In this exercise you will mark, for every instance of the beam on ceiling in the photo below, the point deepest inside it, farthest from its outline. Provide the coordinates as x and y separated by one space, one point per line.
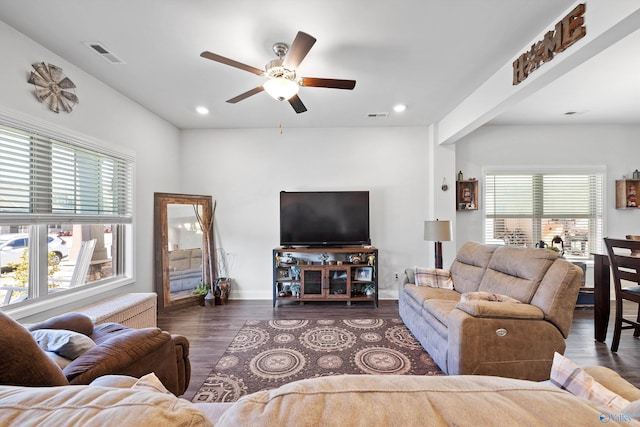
607 22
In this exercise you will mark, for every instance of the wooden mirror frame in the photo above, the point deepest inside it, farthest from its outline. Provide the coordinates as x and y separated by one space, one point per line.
161 249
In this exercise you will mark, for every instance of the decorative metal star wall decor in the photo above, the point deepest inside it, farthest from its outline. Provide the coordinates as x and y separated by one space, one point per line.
53 87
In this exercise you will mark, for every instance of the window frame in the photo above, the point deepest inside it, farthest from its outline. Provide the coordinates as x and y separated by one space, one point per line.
39 298
596 244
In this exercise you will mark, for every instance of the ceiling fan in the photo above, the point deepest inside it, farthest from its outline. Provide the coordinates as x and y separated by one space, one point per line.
282 82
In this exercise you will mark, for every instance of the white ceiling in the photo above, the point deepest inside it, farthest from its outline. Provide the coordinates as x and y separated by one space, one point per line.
427 54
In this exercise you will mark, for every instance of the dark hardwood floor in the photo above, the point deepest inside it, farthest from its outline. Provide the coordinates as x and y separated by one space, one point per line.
211 329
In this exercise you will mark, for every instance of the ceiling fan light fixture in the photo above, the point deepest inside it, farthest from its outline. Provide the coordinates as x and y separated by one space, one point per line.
281 82
280 88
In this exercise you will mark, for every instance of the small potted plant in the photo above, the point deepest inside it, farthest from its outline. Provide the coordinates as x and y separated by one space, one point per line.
201 290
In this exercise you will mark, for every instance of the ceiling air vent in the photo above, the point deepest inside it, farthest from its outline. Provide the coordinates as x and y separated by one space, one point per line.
101 50
373 115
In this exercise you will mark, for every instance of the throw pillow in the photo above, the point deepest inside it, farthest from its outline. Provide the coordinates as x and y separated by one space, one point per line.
62 362
569 376
67 344
150 382
433 277
488 296
117 381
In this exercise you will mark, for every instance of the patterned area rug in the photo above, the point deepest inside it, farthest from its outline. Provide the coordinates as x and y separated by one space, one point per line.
266 354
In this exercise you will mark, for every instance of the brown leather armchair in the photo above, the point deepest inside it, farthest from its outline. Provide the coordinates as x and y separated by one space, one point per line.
119 350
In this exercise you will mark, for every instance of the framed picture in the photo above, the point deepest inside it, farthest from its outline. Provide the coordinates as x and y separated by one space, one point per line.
364 274
283 274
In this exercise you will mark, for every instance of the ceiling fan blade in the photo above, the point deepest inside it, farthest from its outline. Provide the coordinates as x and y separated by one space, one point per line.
330 83
231 62
297 104
299 48
245 95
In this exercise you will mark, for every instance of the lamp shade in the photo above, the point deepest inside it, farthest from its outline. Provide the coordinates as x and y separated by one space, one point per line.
281 88
437 231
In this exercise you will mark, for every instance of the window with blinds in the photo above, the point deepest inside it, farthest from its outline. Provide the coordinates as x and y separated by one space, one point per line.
545 209
65 209
43 179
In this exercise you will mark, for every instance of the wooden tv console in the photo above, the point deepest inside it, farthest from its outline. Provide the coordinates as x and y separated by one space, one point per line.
325 274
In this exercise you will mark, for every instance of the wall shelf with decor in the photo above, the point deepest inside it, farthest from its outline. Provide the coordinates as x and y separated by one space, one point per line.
467 195
627 194
346 274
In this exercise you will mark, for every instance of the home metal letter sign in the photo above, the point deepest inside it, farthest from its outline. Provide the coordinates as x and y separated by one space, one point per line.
568 31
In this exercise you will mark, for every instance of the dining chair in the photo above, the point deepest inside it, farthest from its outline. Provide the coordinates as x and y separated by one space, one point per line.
625 264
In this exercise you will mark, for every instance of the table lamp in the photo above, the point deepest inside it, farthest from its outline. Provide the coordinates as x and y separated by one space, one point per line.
437 231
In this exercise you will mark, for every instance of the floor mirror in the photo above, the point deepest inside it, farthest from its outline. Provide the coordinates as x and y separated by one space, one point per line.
183 244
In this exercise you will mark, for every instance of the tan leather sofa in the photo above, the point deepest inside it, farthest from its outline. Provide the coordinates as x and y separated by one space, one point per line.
490 337
116 350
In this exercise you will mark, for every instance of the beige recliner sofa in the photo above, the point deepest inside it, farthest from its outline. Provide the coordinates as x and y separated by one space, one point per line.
483 337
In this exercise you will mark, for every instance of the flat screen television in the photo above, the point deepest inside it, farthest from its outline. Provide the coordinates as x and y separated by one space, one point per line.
324 218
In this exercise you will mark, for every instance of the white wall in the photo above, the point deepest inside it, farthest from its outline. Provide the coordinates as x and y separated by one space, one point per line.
244 171
108 117
612 146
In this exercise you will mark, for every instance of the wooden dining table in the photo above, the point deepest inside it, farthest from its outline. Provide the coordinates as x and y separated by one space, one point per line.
601 295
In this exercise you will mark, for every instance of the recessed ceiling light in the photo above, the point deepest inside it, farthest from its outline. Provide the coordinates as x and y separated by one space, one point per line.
399 108
202 110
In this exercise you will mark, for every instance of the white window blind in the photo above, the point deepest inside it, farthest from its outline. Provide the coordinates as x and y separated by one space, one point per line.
523 209
42 179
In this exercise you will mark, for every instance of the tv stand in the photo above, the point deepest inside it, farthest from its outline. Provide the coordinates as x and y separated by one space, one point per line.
325 247
325 274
